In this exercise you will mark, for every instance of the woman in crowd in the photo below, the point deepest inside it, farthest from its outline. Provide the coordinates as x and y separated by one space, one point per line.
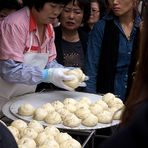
70 40
98 10
133 129
112 48
27 49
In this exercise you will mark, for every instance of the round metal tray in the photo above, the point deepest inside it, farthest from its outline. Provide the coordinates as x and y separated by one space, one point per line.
38 99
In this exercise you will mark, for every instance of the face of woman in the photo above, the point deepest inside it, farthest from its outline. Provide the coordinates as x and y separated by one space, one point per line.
71 16
122 7
95 13
49 13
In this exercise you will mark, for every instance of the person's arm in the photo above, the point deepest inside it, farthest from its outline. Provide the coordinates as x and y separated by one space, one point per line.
92 56
17 72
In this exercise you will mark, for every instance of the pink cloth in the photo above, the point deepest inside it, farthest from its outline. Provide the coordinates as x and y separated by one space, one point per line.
15 38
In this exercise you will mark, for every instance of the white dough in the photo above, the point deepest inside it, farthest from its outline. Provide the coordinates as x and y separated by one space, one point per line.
96 108
102 103
38 127
117 115
105 117
57 104
52 130
71 120
82 104
26 110
63 112
85 100
27 142
70 107
61 137
69 101
48 107
50 144
71 143
90 121
79 77
53 118
39 114
42 137
82 112
116 102
29 133
14 131
107 97
19 124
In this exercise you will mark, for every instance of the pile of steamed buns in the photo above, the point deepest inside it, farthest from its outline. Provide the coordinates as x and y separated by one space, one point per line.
76 112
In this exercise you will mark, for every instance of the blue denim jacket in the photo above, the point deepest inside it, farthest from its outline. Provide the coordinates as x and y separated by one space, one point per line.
93 55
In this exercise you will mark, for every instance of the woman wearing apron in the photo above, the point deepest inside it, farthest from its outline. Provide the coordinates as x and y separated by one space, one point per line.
27 49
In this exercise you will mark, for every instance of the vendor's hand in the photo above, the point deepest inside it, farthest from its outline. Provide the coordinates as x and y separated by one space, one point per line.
57 76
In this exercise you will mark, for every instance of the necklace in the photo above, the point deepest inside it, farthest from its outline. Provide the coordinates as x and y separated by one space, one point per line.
127 29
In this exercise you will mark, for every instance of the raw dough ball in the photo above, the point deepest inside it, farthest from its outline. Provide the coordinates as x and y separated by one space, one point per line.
90 121
73 83
52 130
39 114
27 142
50 144
71 120
14 131
61 137
82 112
85 100
96 108
70 107
38 127
80 105
117 115
19 124
48 107
107 97
79 77
116 102
26 110
71 143
29 133
42 137
105 117
57 105
102 103
63 112
78 73
69 101
53 118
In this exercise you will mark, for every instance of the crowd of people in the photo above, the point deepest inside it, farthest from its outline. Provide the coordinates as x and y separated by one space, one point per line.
40 40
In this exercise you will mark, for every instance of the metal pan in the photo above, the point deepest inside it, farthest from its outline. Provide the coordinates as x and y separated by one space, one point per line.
38 99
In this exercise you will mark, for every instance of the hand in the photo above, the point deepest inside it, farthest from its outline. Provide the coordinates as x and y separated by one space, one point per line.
57 76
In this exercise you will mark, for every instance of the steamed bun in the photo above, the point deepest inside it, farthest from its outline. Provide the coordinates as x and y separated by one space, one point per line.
26 110
19 124
40 113
79 77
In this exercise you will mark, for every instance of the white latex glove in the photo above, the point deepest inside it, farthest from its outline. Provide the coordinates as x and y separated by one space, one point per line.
83 84
57 76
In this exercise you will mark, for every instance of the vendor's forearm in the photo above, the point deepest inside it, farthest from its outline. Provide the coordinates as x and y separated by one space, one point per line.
17 72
